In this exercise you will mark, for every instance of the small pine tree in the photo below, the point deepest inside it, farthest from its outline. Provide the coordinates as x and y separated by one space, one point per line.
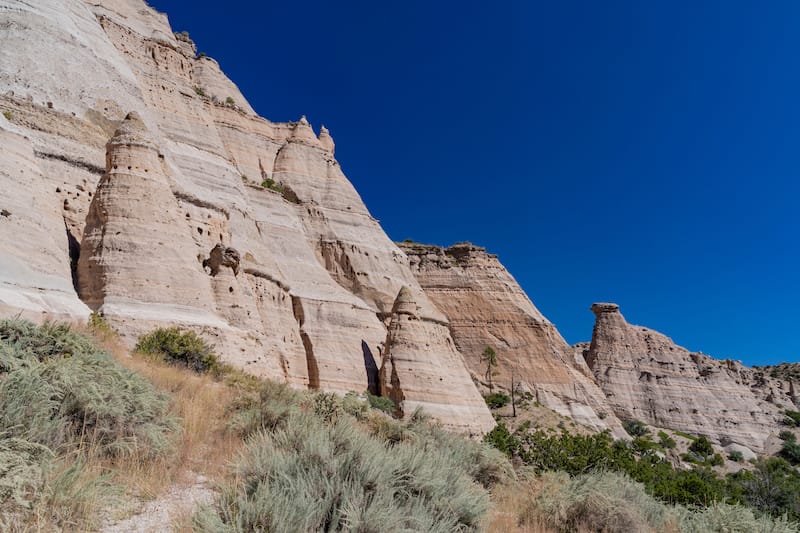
489 356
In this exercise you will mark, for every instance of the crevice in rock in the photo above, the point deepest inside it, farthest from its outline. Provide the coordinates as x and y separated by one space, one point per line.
311 360
74 247
372 369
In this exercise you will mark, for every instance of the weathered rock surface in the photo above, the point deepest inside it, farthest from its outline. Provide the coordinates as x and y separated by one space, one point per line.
164 214
422 369
647 377
485 306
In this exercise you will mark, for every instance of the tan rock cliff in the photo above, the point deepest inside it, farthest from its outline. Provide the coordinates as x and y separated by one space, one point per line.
485 306
152 209
647 377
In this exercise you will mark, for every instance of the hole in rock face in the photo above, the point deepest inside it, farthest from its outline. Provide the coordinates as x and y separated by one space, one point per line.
230 289
200 231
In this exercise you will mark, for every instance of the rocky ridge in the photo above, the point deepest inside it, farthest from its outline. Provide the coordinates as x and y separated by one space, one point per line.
647 377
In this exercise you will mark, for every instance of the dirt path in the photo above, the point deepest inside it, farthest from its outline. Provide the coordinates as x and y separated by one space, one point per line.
158 515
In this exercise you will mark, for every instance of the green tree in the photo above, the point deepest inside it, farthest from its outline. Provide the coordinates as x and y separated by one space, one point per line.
489 356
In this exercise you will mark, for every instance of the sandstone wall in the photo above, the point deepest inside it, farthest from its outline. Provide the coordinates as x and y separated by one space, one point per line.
647 377
141 205
485 306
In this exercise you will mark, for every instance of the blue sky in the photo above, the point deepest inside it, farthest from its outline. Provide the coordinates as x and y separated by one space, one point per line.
645 153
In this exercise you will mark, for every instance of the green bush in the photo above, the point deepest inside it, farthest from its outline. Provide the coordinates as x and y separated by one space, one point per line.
8 114
229 100
497 400
60 391
787 436
702 448
665 440
310 466
791 452
792 418
381 403
736 456
272 185
635 428
177 346
199 91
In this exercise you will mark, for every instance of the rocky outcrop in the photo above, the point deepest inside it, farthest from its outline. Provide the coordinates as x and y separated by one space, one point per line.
647 377
422 369
485 306
163 216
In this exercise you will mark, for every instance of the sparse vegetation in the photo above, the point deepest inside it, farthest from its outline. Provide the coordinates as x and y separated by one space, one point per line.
489 356
382 403
310 465
199 91
201 55
229 101
8 114
736 456
635 428
182 347
65 408
792 418
272 185
666 441
497 400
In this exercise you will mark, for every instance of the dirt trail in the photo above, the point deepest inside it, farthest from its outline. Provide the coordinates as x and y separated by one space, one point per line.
159 515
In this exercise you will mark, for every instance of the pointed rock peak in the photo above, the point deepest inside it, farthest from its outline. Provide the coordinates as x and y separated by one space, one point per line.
132 130
325 140
405 303
303 133
602 308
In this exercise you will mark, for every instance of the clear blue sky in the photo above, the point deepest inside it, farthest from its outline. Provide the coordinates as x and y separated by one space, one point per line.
645 153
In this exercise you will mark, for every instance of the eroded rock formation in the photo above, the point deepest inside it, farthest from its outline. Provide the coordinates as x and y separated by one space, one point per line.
127 155
648 377
485 306
422 369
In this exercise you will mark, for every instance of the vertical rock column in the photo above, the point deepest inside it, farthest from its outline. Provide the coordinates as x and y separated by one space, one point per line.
137 255
421 368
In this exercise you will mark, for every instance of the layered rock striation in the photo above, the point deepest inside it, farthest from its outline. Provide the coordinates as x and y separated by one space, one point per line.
646 376
146 188
422 369
485 306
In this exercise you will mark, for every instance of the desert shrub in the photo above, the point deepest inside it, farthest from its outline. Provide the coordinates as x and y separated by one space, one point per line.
736 456
355 406
787 436
792 418
89 402
309 475
22 477
272 185
791 452
229 100
8 114
497 400
665 440
772 487
199 91
602 501
182 347
42 342
635 428
268 408
381 403
725 518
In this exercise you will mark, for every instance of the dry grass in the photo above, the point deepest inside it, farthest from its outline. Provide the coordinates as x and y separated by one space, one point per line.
204 445
508 501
